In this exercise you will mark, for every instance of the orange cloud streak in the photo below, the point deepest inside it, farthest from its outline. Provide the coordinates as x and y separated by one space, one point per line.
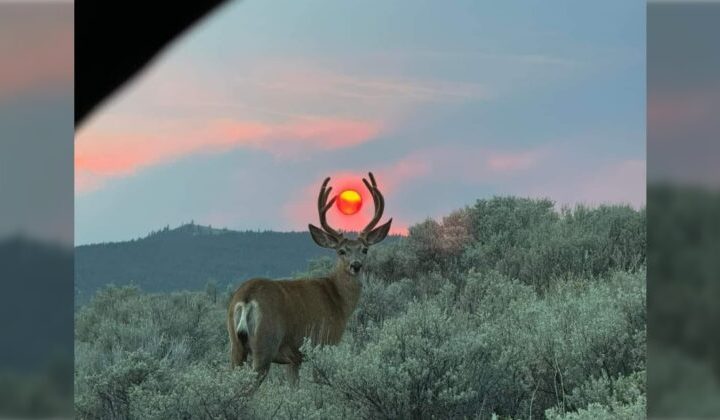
99 155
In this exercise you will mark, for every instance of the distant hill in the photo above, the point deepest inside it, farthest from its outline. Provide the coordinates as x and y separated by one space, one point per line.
35 334
189 256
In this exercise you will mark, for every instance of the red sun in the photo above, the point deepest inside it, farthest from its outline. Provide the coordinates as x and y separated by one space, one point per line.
349 202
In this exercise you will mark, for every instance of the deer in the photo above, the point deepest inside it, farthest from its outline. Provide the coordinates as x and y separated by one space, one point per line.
270 319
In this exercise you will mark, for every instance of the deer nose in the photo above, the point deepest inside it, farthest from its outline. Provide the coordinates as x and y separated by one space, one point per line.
356 265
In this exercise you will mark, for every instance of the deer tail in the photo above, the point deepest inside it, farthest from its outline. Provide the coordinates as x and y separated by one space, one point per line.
242 321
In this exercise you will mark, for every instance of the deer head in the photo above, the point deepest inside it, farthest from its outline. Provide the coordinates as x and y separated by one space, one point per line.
351 252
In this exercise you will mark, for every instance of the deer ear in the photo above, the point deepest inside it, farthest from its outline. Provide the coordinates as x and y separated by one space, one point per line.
378 234
322 238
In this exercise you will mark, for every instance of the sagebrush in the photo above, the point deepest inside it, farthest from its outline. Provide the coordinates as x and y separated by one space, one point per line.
506 308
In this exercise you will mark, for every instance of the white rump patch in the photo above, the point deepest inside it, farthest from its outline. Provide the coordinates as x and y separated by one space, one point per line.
247 316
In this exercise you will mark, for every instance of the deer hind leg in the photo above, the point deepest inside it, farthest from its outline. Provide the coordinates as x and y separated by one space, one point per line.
238 350
263 344
263 352
293 373
261 366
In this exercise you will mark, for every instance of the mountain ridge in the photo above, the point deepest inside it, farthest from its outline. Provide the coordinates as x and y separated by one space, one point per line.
189 257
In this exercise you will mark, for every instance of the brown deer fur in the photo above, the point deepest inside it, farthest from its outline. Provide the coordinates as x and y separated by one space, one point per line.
269 319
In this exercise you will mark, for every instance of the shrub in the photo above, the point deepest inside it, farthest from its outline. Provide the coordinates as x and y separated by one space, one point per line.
200 390
424 364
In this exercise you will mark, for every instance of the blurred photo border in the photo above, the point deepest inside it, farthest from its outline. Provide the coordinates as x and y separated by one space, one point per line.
37 117
683 91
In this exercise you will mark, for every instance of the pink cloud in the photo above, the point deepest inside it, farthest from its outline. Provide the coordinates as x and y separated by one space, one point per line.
113 145
100 155
671 109
402 171
302 207
398 228
513 161
469 163
37 47
622 182
476 164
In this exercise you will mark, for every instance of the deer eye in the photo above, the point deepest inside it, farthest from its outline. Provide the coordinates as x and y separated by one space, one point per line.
364 250
341 252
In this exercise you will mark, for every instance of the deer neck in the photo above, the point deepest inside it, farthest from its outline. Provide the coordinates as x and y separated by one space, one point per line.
349 288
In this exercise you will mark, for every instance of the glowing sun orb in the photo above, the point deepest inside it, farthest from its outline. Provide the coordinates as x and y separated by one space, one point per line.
349 202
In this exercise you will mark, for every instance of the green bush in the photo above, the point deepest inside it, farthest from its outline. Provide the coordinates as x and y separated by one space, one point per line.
201 390
423 364
595 411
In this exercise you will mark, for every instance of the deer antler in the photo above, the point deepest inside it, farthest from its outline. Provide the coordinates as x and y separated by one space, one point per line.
378 201
324 206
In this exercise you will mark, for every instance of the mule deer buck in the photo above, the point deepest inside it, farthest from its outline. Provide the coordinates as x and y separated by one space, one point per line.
269 319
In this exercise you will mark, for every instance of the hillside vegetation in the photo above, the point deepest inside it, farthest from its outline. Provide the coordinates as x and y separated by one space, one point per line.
505 308
188 257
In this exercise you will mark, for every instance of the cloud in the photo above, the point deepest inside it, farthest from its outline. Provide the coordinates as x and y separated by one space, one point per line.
307 79
465 162
299 87
620 182
37 47
432 165
513 161
292 88
302 206
402 171
361 106
100 155
289 110
505 58
669 110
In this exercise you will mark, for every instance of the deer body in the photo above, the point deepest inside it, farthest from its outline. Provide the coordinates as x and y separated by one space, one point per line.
269 319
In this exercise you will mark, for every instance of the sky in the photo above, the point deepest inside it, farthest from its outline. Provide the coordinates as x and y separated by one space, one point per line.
683 99
36 121
237 123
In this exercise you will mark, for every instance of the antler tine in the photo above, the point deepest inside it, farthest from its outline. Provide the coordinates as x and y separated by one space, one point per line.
324 206
372 179
378 201
374 195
